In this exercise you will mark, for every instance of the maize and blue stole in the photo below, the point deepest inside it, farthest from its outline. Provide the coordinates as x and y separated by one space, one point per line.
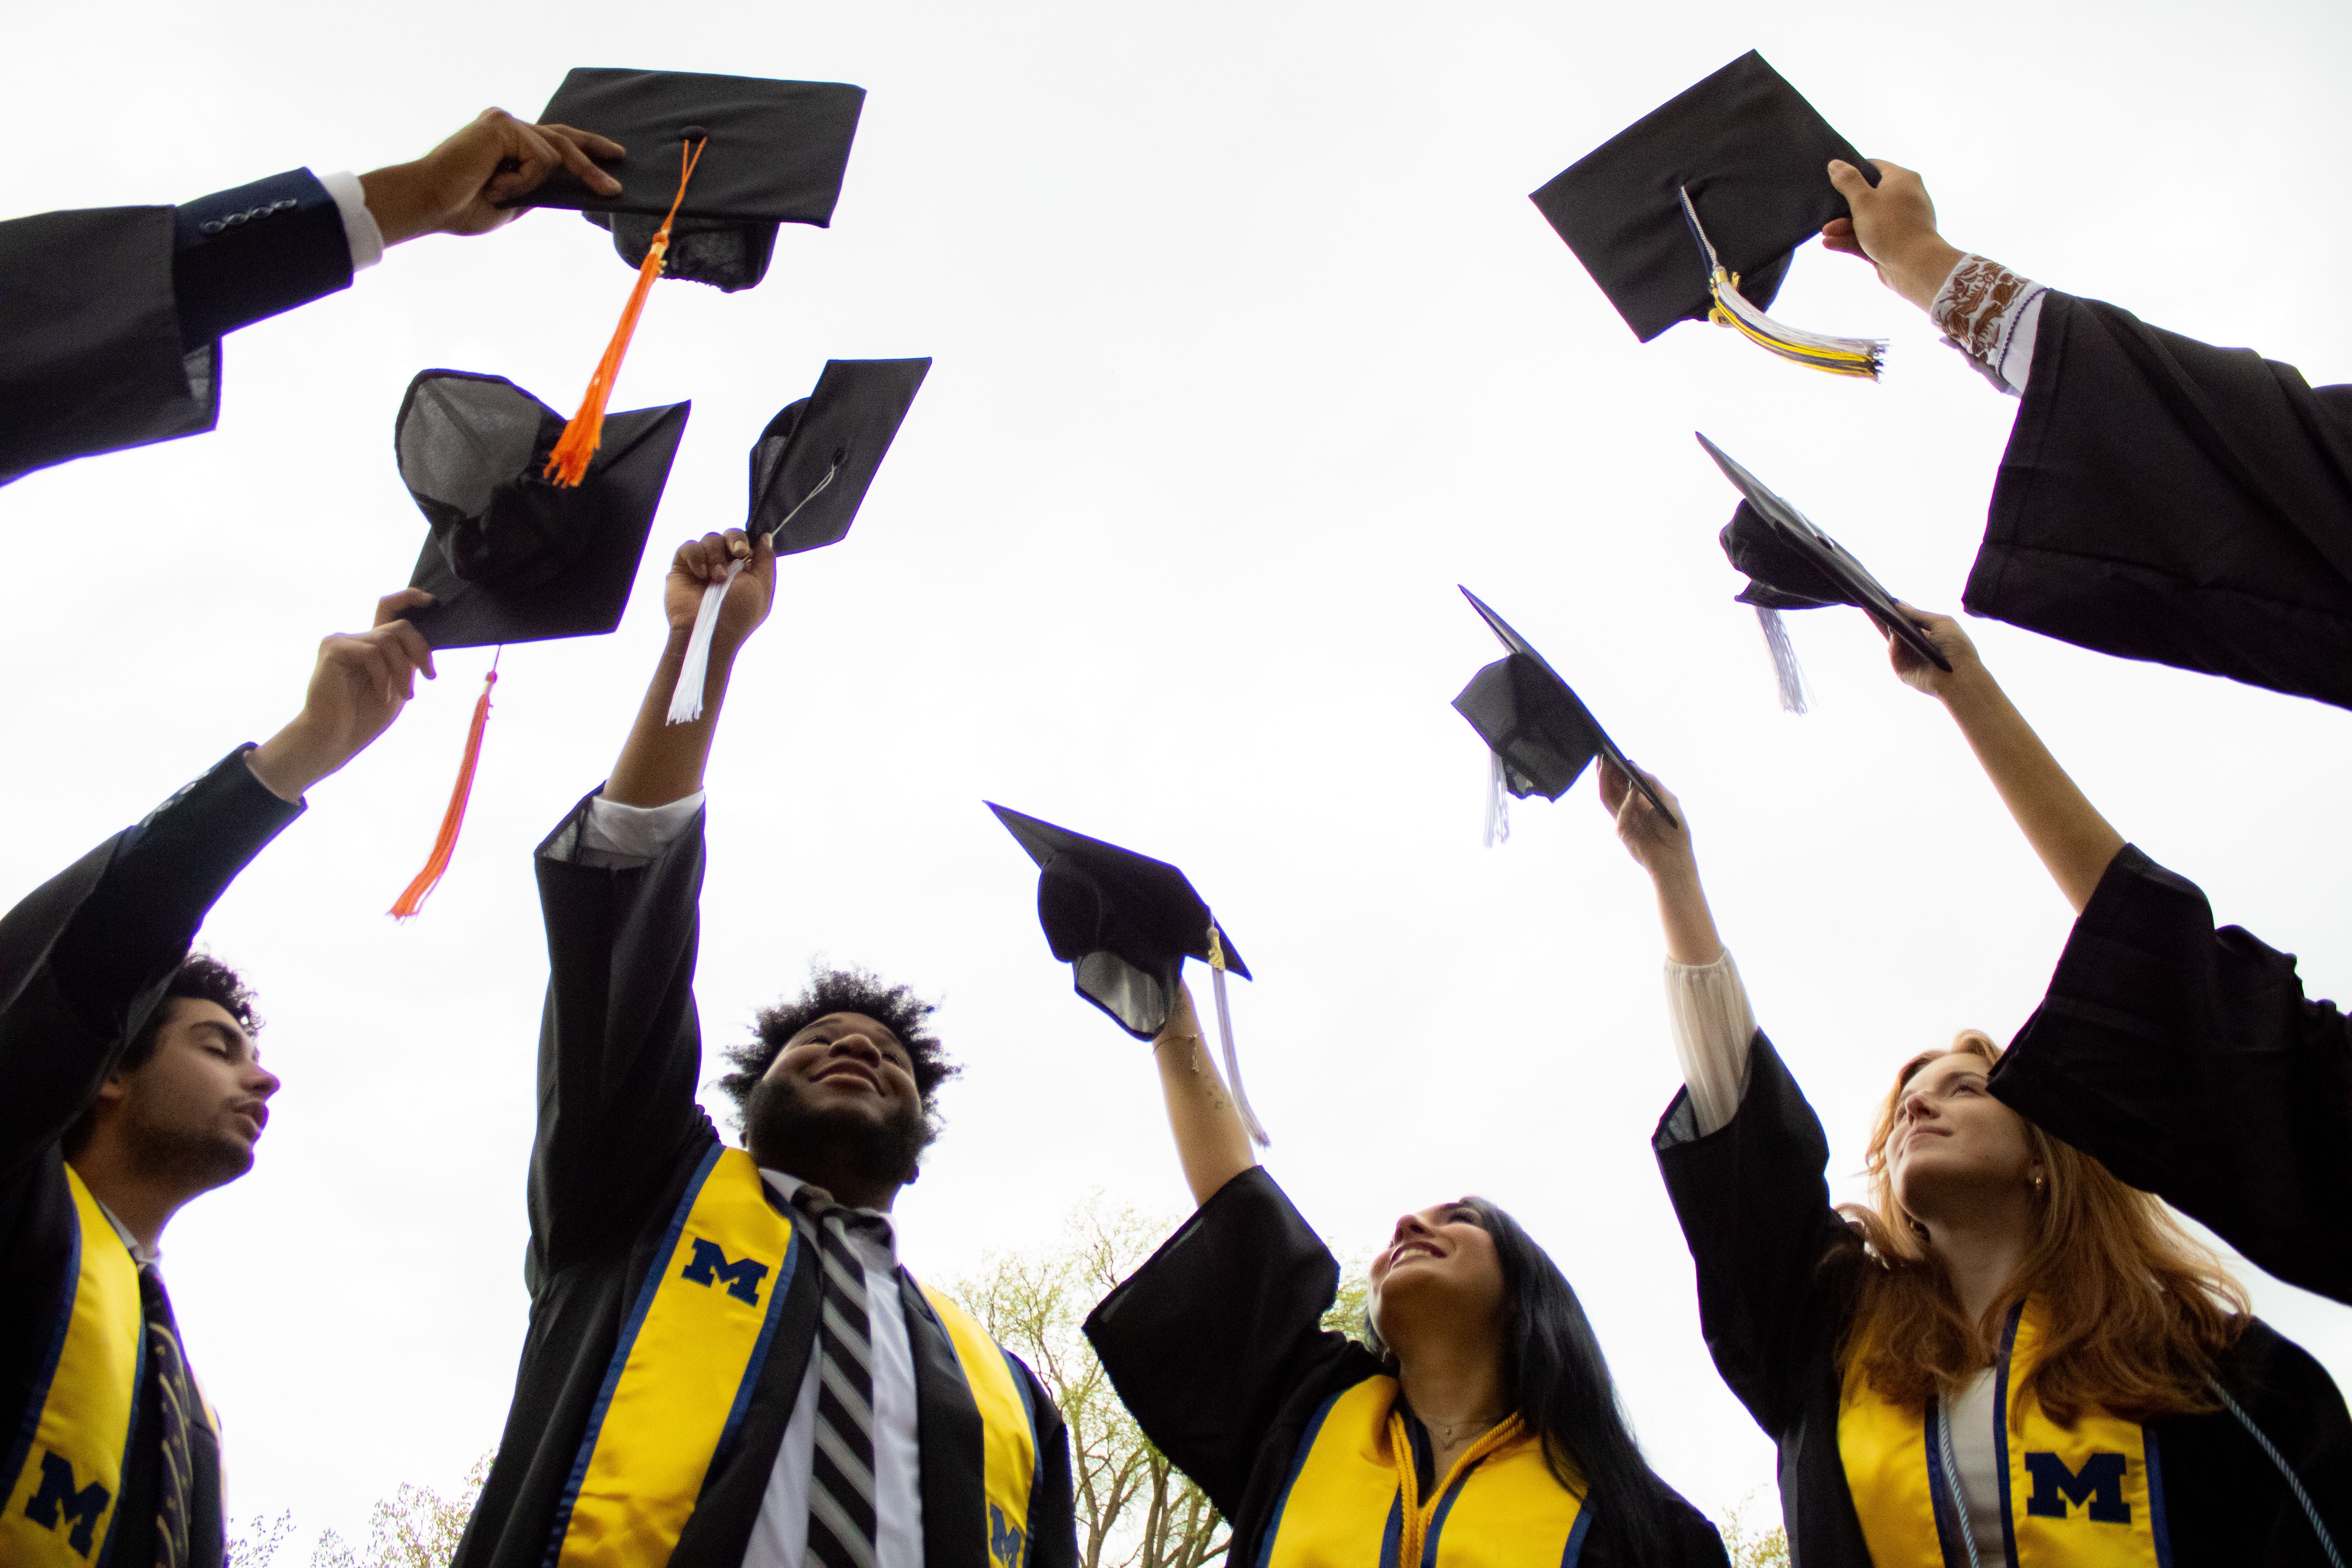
2091 1495
1343 1505
688 1356
66 1465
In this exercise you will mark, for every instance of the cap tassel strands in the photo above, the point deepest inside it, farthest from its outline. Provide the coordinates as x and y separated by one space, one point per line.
1865 357
445 843
1225 1039
694 672
1786 671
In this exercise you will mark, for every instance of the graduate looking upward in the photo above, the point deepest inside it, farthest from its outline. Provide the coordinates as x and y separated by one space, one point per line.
2186 1058
1480 1425
111 318
726 1363
2006 1355
130 1086
2160 499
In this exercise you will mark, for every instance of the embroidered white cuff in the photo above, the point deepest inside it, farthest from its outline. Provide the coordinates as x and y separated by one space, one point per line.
1991 315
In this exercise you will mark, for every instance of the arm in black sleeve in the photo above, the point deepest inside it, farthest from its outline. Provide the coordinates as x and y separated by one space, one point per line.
2189 1061
620 1044
242 256
84 957
1775 1262
1206 1341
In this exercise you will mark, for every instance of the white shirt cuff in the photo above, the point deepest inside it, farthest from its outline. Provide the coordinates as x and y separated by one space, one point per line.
1712 1023
618 836
360 230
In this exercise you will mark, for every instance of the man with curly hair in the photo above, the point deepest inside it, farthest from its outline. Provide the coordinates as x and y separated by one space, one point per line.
726 1363
128 1086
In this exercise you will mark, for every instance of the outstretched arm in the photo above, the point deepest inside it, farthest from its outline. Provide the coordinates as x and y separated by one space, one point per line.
664 761
1210 1139
1664 852
2075 843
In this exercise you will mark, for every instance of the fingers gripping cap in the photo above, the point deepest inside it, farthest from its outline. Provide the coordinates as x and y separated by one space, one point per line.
512 556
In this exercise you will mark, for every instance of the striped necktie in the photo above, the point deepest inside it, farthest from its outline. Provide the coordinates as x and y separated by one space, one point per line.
178 1406
841 1470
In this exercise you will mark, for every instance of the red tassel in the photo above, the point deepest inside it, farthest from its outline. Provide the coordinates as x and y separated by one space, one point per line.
413 900
568 463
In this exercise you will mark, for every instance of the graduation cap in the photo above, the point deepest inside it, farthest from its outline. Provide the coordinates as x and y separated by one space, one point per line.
512 556
714 163
1791 565
777 153
1541 735
1694 211
810 472
1126 923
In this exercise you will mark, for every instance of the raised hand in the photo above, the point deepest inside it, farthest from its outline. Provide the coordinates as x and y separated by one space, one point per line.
358 686
1950 641
1893 228
702 562
457 187
1655 847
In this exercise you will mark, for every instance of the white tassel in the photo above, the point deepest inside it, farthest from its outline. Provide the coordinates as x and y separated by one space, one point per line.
1785 668
1226 1037
686 698
1498 804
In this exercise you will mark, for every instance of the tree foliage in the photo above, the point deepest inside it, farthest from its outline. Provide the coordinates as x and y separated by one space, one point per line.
417 1527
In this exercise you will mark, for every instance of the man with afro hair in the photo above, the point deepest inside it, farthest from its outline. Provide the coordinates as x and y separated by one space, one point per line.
128 1086
726 1365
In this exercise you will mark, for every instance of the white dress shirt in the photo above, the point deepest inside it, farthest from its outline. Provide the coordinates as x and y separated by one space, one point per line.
360 230
616 835
1713 1025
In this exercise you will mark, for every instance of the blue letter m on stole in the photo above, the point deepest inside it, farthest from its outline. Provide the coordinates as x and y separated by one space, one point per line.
708 1266
2100 1484
57 1499
1005 1538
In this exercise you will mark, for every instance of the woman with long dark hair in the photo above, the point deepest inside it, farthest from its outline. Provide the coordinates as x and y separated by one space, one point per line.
2007 1356
1475 1425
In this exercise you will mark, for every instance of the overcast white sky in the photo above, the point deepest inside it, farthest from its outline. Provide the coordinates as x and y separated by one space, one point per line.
1249 348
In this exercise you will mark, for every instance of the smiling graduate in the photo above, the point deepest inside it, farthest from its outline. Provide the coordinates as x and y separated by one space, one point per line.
726 1363
1474 1422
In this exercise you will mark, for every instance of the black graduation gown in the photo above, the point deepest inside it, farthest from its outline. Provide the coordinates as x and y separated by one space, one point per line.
2164 499
1779 1275
110 317
83 960
2189 1062
620 1135
1216 1347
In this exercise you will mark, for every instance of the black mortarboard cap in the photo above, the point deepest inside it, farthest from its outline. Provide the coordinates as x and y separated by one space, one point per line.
1791 565
1754 156
513 557
1124 921
775 155
812 465
1535 723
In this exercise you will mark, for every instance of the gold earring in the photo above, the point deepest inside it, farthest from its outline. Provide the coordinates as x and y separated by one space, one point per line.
2037 1185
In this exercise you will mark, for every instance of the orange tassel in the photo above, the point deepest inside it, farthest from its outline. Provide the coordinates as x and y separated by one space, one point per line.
413 900
568 463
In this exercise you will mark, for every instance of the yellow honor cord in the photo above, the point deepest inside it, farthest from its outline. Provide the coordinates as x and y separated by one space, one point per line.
1415 1514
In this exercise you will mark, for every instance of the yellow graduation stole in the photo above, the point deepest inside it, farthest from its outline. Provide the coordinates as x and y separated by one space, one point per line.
2087 1496
61 1505
1344 1506
690 1355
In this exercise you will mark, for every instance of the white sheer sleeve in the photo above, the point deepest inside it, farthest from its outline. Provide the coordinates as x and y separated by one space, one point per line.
1708 1008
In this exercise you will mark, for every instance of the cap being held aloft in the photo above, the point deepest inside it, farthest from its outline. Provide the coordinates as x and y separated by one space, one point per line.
1694 211
512 556
713 165
1791 565
1126 923
1540 734
810 470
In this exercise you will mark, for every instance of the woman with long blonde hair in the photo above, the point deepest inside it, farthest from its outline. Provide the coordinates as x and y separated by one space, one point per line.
2005 1357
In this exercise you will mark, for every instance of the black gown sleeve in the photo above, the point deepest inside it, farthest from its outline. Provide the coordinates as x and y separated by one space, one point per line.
110 317
1209 1338
1776 1265
85 956
620 1046
2161 499
2189 1061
